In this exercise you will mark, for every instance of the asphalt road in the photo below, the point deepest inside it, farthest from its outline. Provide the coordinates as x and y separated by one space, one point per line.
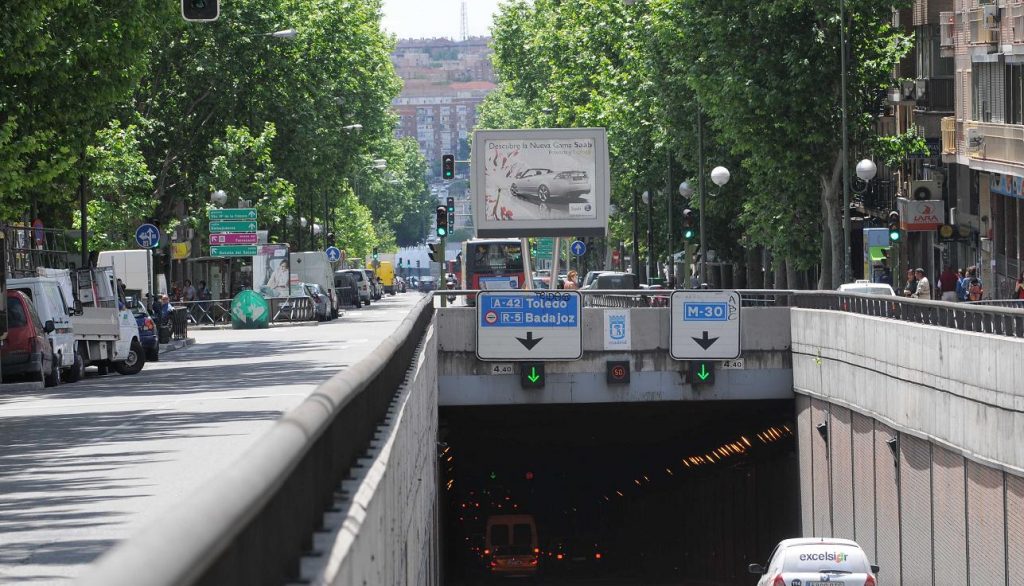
84 465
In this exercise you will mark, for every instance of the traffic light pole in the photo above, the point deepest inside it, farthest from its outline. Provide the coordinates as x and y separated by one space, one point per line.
442 273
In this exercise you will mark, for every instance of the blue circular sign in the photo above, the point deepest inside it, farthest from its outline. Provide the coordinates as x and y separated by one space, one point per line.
578 248
333 254
147 236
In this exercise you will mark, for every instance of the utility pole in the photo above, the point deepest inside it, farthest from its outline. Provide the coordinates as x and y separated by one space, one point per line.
702 186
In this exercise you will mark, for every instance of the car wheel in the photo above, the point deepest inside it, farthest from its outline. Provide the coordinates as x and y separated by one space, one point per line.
153 354
76 371
367 302
543 193
134 362
52 378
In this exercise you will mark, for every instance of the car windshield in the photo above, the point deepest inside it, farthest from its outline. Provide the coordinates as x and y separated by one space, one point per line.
16 317
869 290
823 557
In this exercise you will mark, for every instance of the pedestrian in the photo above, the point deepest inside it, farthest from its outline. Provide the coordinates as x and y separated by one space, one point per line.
924 288
911 287
948 282
570 281
1018 289
164 309
974 290
963 291
189 294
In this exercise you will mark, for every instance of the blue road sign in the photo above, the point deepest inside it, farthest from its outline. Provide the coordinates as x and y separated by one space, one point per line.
147 236
529 325
578 248
333 254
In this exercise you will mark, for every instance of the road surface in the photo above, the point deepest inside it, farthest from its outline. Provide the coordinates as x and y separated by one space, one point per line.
84 465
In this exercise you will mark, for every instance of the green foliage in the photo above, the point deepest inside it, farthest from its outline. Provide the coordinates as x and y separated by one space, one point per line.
894 149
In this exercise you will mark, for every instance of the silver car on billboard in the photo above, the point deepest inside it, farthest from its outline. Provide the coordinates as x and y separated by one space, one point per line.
545 184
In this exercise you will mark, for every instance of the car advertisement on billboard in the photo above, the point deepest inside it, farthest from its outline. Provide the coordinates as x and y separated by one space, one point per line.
546 182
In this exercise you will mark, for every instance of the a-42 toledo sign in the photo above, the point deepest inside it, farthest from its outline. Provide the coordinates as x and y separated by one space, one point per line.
529 325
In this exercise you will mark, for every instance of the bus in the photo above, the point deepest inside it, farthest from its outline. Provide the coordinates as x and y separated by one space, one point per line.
492 263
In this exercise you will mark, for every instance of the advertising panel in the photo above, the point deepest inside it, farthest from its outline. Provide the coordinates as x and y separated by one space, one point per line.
270 270
920 215
546 182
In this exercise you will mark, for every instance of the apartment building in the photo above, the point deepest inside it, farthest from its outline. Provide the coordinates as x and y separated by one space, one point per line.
983 138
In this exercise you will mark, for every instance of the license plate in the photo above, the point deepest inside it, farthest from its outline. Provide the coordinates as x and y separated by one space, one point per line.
823 583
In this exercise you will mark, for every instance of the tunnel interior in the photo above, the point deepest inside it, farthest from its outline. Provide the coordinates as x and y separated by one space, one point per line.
654 493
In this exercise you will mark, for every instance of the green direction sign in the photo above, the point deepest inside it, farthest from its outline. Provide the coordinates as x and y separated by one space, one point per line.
233 214
236 250
233 226
545 246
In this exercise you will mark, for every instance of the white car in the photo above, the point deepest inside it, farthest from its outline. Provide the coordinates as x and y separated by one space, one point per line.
864 287
816 561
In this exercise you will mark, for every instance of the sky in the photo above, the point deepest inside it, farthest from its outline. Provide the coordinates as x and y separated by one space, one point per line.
437 18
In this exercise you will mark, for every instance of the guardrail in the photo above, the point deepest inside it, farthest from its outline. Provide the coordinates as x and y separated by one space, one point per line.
998 317
251 525
214 312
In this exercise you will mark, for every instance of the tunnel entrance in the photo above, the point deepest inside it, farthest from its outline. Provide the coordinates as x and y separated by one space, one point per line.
670 493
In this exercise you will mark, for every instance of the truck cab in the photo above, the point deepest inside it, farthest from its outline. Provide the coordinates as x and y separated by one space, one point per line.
105 329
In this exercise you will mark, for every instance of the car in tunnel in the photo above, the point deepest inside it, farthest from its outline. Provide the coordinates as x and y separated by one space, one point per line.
816 561
512 548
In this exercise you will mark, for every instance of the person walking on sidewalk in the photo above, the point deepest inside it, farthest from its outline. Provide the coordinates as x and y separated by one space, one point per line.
1018 289
948 282
911 287
924 288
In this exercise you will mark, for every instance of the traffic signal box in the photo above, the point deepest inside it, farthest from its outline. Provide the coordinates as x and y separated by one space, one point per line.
531 375
702 372
200 10
616 372
442 221
450 204
434 254
689 225
894 226
448 166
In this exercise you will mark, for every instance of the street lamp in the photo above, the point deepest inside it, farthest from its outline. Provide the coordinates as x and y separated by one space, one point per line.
287 34
219 197
719 176
649 202
866 170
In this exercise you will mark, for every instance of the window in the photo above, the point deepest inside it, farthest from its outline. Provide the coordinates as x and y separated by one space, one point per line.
522 534
1014 76
16 317
499 535
987 98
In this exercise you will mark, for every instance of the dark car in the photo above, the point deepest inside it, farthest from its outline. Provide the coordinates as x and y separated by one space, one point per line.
346 289
147 329
27 350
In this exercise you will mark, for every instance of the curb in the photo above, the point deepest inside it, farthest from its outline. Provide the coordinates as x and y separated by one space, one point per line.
177 345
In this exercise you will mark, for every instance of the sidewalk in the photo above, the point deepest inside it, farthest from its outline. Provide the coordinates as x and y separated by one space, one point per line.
176 345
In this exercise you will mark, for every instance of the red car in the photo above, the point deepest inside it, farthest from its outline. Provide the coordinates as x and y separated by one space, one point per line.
27 349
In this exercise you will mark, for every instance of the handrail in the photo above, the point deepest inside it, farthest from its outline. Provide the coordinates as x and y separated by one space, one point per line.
251 524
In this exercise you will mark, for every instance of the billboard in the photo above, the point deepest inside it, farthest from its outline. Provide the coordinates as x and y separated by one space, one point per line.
920 215
545 182
271 275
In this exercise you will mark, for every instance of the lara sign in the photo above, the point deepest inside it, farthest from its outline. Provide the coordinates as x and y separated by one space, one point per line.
920 216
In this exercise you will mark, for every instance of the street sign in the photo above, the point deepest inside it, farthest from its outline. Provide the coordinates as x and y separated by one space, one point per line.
333 254
233 250
705 325
545 246
702 372
233 226
234 238
147 236
616 372
233 214
531 375
529 325
578 248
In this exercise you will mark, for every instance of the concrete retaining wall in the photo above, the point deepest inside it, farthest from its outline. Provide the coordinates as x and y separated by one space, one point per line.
385 530
961 390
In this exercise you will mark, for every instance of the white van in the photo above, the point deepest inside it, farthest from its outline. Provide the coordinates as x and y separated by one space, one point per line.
52 304
134 268
313 267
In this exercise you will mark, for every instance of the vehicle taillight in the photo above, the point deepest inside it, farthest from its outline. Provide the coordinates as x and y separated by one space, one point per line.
597 556
536 550
559 556
778 581
870 581
533 562
148 324
487 552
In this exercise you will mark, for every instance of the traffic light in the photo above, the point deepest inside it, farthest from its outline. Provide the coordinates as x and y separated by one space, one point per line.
689 228
894 226
448 166
442 221
330 239
375 254
433 254
451 214
200 10
702 372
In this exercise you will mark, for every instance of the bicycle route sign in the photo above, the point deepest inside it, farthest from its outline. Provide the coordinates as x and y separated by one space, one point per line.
529 325
705 325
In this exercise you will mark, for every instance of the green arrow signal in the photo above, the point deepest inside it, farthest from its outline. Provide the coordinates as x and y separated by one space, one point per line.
703 374
533 376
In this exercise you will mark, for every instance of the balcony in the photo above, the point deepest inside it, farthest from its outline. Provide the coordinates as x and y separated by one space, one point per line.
1003 143
949 142
935 94
983 24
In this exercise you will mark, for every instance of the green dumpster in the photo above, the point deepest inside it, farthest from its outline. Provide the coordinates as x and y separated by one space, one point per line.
249 311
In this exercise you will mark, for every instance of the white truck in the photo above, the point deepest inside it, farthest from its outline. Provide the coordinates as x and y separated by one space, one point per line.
105 331
313 267
52 301
134 268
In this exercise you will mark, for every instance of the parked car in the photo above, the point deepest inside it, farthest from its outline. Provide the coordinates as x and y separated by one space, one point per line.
27 350
52 304
319 307
615 280
588 280
362 284
148 335
427 284
376 289
546 184
346 289
323 303
815 560
865 287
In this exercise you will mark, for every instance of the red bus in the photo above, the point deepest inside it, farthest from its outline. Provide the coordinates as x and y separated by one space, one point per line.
492 263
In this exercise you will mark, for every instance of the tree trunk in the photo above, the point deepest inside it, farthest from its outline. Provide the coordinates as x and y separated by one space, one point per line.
779 269
793 276
831 188
755 276
825 267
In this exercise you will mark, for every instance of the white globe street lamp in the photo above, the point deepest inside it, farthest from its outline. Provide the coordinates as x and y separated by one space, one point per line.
686 190
866 170
720 176
219 197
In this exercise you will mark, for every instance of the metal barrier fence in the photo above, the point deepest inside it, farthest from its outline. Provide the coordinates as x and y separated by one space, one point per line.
253 522
1001 318
214 312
